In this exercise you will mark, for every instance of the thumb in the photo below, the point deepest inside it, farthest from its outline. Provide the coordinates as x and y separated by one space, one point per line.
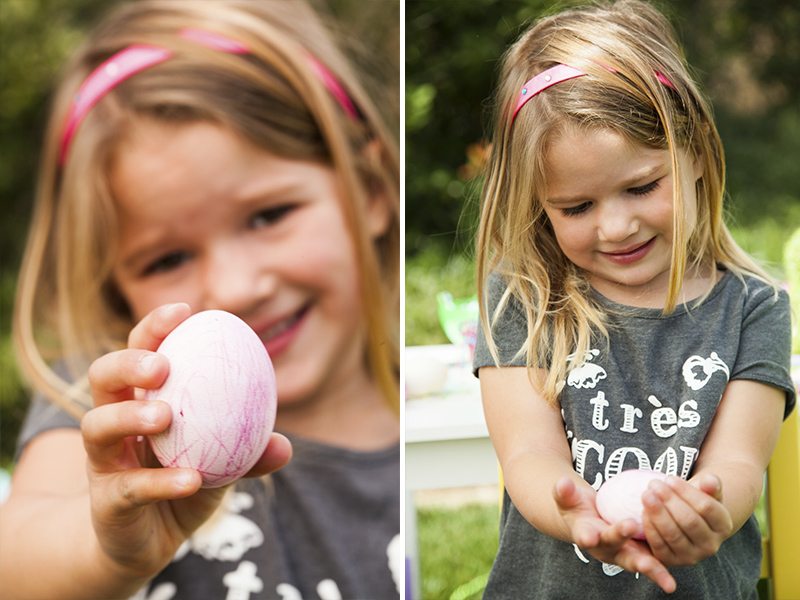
566 494
711 485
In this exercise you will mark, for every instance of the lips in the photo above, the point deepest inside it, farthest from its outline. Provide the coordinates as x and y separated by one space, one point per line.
630 254
279 334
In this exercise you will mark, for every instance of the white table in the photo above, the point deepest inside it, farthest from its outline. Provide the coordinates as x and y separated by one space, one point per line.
447 444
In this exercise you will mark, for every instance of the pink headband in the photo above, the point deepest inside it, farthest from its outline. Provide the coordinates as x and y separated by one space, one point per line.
139 57
557 74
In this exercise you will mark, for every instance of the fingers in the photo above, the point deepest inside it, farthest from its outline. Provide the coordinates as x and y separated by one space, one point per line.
108 431
645 563
683 523
568 501
277 455
566 494
113 376
134 488
616 547
710 484
609 543
151 331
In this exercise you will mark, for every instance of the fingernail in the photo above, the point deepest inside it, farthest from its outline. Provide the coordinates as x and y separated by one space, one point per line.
149 414
147 363
184 479
169 310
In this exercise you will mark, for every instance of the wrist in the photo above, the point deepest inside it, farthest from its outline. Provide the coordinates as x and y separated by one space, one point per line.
114 579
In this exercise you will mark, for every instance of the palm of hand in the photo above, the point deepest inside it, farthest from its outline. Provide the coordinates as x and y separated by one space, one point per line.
140 532
609 543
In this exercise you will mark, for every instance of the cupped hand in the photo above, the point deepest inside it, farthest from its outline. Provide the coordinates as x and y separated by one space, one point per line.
611 544
685 521
141 512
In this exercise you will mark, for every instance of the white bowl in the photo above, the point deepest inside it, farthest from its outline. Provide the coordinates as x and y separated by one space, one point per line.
425 375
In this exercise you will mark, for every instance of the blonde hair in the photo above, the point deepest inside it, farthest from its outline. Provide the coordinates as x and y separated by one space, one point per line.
624 48
67 308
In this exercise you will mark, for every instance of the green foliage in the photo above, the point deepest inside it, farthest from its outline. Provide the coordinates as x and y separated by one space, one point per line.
12 397
746 57
765 239
456 548
37 36
429 272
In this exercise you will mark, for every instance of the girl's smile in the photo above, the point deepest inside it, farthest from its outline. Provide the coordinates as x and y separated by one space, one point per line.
208 219
610 205
277 336
631 254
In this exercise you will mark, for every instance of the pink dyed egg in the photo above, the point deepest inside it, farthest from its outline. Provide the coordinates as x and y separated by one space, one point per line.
621 497
221 387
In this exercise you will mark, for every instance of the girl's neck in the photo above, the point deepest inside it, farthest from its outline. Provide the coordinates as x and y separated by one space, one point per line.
696 283
353 415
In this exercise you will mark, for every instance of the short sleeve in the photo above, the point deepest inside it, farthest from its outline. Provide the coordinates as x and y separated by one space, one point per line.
765 343
509 331
43 416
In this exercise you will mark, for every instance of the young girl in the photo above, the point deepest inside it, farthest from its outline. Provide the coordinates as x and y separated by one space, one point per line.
209 155
622 327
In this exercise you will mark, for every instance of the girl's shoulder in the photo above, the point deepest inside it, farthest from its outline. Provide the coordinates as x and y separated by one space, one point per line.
752 291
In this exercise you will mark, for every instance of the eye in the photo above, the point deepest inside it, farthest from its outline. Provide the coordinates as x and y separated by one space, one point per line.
166 263
643 190
271 215
576 210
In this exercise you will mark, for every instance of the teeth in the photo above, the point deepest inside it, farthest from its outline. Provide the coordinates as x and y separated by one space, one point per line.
279 328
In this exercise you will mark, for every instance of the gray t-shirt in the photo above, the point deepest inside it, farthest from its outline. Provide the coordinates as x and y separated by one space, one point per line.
324 527
645 402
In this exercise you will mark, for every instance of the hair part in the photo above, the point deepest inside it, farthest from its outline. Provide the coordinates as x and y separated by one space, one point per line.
622 47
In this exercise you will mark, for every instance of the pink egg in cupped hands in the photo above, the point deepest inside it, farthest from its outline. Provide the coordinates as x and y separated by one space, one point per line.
621 497
221 388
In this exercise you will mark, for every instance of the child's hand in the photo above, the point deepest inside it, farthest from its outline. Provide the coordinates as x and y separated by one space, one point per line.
608 543
684 521
142 513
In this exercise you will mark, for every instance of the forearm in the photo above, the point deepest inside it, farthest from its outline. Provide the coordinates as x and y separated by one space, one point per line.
530 478
740 443
48 549
742 485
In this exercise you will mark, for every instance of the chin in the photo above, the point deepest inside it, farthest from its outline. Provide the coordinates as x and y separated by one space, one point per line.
295 396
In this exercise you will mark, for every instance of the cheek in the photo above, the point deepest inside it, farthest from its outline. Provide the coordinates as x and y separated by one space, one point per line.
325 256
662 215
144 296
573 236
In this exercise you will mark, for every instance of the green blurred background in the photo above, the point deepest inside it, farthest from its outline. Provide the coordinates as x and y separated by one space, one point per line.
36 36
745 54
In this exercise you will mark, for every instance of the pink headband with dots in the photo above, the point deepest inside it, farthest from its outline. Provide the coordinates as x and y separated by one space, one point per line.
136 58
557 74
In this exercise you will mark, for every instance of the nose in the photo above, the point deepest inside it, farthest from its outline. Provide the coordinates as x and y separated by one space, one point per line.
236 279
617 221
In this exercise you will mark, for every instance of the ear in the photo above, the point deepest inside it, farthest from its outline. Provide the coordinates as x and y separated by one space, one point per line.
698 167
379 211
378 215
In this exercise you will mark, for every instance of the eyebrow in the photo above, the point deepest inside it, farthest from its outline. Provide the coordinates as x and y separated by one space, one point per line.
260 194
632 182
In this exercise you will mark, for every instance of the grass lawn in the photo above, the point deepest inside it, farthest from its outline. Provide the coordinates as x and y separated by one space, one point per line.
456 550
